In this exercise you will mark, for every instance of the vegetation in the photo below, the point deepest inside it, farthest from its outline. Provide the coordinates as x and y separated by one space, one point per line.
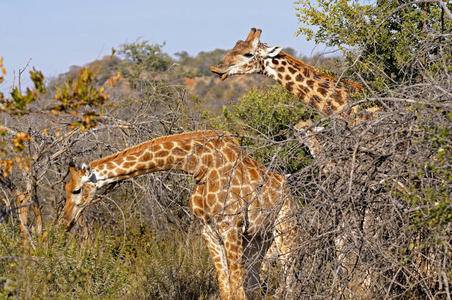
375 206
107 266
386 42
151 256
264 118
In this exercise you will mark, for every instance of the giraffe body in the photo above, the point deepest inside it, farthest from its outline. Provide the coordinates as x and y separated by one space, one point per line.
242 205
323 92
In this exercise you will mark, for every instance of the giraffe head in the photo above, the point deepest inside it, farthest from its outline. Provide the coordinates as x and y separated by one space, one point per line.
246 57
80 191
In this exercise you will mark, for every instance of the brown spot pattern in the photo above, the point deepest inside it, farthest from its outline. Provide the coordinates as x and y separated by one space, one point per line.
162 153
289 86
324 84
337 95
322 91
128 164
147 156
211 200
140 166
301 94
207 159
316 98
254 175
168 145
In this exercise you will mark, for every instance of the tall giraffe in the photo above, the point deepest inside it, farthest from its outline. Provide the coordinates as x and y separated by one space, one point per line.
242 205
321 91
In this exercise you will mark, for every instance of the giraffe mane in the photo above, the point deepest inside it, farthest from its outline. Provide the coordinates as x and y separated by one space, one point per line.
159 140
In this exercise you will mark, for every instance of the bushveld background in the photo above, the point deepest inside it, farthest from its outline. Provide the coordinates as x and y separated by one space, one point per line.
381 188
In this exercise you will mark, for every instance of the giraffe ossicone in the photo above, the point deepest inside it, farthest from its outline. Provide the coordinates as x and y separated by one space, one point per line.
243 206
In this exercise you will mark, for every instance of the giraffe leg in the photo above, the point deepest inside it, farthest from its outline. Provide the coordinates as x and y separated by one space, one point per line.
38 216
309 139
254 249
225 245
22 201
287 238
217 252
225 249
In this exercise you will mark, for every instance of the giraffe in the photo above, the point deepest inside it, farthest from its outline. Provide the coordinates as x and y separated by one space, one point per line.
323 92
319 90
242 205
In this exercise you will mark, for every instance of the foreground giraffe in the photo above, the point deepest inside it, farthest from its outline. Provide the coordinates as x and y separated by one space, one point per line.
321 91
242 205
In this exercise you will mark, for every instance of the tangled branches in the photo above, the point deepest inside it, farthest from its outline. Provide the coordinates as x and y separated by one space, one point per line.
376 215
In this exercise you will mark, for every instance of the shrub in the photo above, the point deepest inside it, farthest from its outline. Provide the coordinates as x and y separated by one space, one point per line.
264 120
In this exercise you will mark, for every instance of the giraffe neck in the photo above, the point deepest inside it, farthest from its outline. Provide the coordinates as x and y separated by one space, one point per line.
186 152
319 90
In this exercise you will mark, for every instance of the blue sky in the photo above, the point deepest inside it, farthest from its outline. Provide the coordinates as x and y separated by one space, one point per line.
58 34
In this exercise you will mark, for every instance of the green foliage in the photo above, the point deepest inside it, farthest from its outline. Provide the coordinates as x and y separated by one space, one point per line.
12 142
430 190
18 102
149 70
271 113
141 58
144 265
385 37
78 96
79 92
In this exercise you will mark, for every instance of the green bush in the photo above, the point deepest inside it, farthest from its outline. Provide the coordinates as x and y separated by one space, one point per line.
106 266
382 40
264 118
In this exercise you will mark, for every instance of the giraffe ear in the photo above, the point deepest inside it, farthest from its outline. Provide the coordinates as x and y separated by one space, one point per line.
273 51
85 168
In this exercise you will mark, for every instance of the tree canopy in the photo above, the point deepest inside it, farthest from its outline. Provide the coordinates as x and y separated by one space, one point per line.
382 39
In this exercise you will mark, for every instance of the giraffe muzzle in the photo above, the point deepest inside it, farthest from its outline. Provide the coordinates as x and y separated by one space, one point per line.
223 75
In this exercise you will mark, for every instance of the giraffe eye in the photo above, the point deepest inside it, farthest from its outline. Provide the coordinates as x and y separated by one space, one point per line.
77 191
248 55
